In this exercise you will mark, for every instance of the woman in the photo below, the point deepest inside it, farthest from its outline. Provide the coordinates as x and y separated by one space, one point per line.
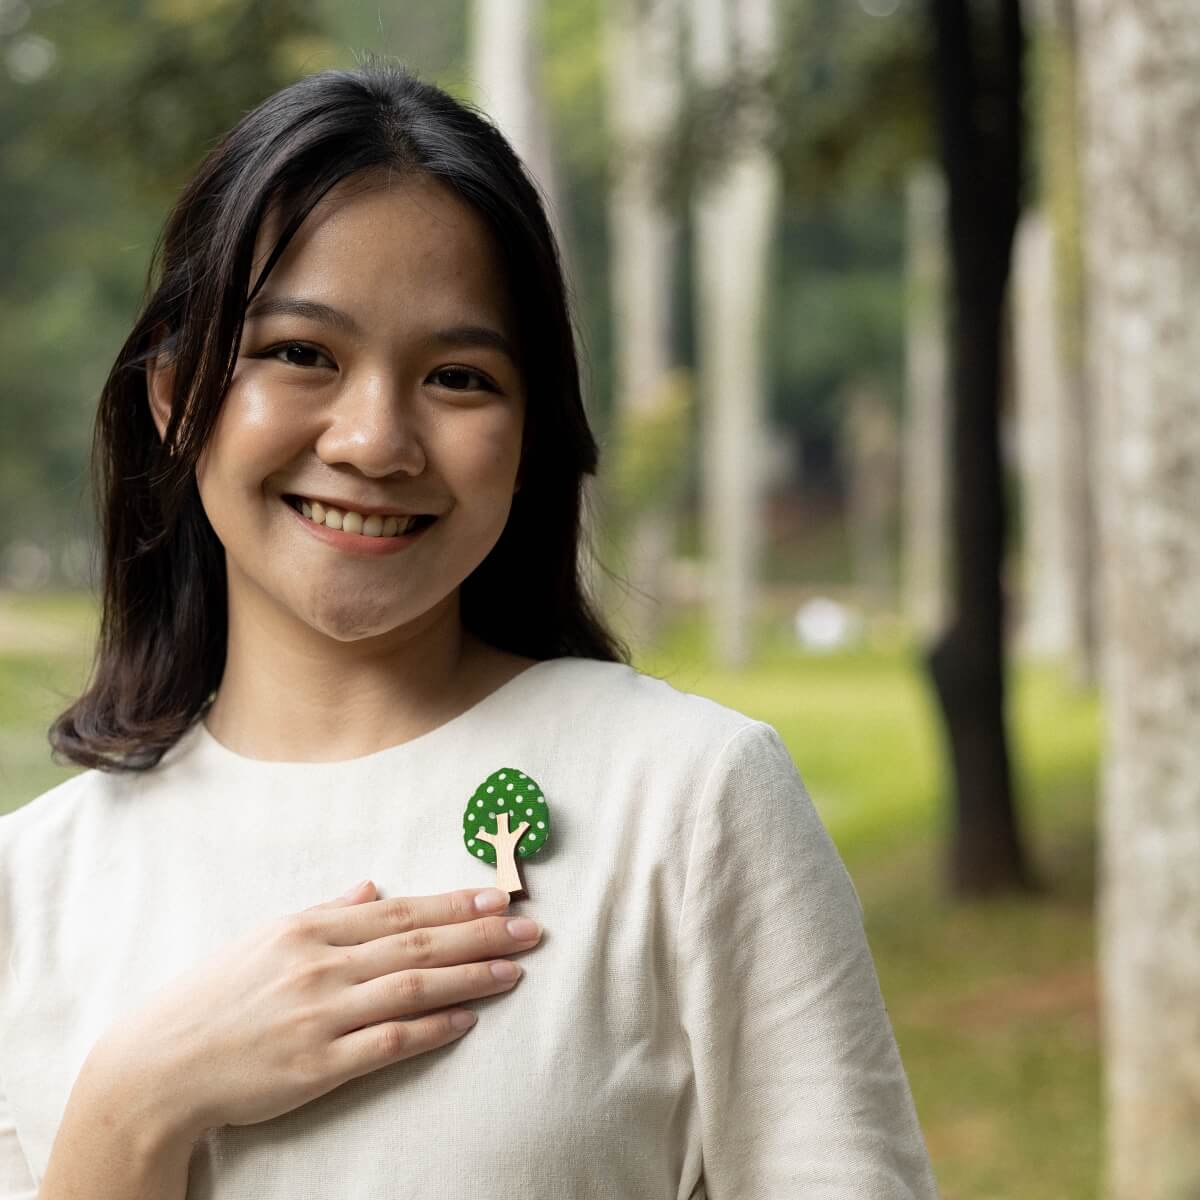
342 454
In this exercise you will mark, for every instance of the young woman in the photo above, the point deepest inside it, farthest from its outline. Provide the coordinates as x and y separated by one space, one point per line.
340 458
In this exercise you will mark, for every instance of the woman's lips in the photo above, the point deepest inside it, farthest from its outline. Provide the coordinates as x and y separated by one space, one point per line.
358 543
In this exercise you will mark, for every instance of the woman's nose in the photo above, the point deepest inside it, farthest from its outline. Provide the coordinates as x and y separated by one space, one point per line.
372 427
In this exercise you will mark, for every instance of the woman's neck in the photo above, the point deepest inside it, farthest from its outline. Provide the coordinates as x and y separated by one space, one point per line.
290 693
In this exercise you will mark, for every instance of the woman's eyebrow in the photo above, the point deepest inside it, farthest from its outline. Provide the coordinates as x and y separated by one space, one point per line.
482 336
313 310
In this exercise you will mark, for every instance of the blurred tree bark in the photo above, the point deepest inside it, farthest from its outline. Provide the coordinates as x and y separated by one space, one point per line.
734 213
643 89
1047 625
871 443
926 449
1140 94
506 69
1053 401
978 51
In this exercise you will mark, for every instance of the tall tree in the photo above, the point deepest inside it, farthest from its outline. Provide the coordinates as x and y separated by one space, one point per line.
978 51
1140 76
1053 400
506 67
925 443
643 93
735 211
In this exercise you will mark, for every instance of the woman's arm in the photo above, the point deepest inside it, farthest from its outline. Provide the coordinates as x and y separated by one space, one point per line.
117 1141
800 1087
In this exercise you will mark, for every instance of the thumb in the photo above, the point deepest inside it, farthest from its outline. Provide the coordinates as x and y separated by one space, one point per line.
360 891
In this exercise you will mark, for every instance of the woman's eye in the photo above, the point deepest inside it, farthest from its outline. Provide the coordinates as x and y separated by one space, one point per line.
295 348
460 379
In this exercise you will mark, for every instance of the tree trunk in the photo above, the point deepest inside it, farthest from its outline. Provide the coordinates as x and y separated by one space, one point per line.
506 63
1055 89
978 80
643 101
734 217
926 448
1047 626
1140 76
871 439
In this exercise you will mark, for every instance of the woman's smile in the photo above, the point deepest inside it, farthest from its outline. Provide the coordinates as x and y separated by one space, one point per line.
354 542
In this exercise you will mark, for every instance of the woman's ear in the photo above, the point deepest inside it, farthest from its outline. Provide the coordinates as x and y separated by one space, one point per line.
160 388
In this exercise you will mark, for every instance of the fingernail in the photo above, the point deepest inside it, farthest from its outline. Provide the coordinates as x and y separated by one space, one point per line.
358 887
523 929
490 899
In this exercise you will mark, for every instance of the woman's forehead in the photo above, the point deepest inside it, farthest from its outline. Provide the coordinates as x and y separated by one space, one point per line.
382 233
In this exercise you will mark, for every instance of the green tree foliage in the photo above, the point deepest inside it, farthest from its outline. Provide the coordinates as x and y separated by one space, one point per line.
104 109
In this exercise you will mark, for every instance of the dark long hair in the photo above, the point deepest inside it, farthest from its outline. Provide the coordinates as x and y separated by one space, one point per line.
161 648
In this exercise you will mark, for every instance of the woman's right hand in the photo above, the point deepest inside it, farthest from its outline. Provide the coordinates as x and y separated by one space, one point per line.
308 1001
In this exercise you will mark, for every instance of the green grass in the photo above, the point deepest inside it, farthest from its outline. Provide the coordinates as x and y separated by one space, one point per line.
993 1002
45 650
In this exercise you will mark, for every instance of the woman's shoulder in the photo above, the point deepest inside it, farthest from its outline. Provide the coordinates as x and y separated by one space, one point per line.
635 703
47 816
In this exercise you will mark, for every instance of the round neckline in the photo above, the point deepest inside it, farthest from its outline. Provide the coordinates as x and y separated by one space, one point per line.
209 742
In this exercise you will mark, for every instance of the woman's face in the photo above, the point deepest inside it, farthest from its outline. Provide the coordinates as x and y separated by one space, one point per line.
401 396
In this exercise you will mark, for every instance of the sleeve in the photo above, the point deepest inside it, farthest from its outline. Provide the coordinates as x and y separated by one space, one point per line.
800 1087
16 1179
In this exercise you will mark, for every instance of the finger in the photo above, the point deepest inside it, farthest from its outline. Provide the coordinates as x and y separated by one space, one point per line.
473 941
411 993
365 1050
346 925
359 892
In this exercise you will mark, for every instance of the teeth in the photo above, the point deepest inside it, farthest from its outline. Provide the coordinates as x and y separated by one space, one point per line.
352 522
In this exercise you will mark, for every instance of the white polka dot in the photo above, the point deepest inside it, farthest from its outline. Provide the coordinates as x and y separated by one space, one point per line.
471 842
520 774
510 786
491 789
478 803
492 815
501 801
503 776
529 812
541 824
533 837
479 852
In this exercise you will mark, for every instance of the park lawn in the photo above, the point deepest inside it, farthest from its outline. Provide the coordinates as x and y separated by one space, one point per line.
993 1003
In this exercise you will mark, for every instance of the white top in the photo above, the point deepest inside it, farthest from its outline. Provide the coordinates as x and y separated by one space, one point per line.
702 1017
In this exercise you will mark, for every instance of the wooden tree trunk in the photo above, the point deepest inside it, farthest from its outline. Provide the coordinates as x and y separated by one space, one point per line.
926 445
871 449
734 217
506 61
643 100
1047 626
1074 566
1140 75
978 98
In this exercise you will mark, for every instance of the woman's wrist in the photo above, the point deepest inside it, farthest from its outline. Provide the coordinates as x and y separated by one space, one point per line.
154 1104
118 1139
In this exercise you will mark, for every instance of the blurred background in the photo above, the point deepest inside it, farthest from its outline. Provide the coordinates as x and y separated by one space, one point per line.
886 318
